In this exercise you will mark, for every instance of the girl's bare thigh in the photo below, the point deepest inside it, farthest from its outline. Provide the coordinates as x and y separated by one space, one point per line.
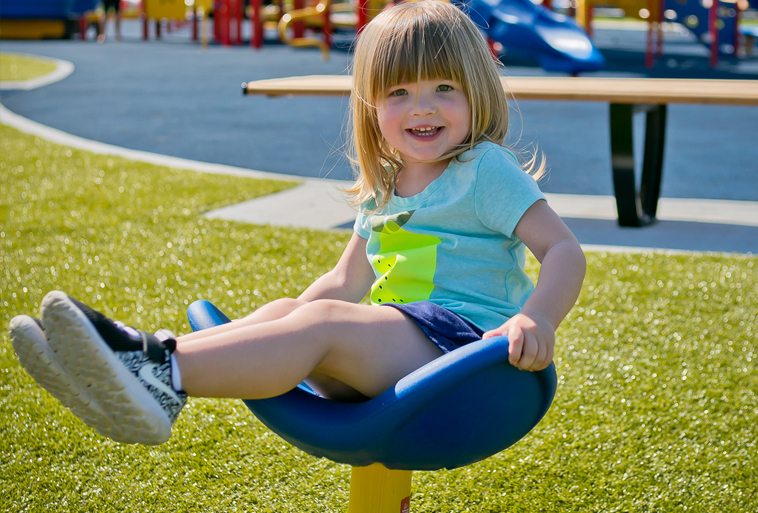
342 347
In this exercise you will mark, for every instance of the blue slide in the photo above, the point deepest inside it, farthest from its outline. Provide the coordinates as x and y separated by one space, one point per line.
558 43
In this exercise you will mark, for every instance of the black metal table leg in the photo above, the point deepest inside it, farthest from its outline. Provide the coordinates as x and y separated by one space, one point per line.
652 163
637 208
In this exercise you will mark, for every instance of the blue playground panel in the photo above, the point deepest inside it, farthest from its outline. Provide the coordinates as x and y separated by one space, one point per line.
694 16
45 9
80 7
556 41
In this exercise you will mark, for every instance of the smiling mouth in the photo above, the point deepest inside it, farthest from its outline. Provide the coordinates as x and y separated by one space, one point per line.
426 131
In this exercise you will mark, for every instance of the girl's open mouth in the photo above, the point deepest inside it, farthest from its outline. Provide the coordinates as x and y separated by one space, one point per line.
427 131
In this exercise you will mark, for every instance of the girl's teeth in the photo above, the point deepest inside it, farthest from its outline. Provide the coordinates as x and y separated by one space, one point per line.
425 131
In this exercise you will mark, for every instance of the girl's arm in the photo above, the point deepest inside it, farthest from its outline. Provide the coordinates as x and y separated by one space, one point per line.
349 280
531 332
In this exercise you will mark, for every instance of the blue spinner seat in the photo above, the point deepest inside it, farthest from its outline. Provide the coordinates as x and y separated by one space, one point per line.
459 409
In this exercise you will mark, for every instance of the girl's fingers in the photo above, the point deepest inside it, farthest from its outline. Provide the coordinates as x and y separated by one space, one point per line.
526 350
530 347
515 345
529 352
542 360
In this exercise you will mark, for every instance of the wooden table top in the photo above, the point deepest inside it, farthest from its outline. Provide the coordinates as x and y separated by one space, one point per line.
612 90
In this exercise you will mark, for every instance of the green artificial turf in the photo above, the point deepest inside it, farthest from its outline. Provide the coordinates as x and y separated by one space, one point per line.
14 67
655 410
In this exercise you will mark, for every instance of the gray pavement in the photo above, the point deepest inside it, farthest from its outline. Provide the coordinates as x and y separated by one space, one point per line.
178 101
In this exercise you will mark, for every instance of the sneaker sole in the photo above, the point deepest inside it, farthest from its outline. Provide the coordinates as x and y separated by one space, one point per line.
39 361
135 415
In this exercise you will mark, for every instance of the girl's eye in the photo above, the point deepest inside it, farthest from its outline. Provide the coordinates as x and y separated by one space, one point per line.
398 92
444 88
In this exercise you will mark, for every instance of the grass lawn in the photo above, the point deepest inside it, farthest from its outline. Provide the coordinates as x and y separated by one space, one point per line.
15 67
655 410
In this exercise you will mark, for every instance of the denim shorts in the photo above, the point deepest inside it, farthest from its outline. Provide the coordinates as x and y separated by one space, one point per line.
445 329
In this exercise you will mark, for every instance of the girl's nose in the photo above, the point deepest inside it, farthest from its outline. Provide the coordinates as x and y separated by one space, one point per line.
423 105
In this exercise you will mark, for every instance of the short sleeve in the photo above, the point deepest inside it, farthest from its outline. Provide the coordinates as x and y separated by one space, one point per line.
504 192
361 226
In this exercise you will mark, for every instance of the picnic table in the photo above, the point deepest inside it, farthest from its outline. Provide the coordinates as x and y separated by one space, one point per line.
635 205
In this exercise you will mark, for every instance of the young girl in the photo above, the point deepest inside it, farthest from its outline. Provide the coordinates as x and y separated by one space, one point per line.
438 247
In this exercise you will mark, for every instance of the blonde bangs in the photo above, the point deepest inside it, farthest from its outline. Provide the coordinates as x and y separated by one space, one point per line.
413 54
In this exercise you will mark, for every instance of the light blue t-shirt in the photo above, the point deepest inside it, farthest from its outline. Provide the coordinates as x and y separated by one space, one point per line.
453 243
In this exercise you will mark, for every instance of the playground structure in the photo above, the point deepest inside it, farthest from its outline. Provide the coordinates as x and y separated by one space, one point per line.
42 19
59 19
461 408
521 27
715 23
291 19
556 41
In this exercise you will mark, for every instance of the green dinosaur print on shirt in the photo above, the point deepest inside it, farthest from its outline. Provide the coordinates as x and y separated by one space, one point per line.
405 262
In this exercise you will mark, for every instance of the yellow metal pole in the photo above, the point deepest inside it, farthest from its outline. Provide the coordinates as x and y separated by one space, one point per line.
203 28
377 489
582 16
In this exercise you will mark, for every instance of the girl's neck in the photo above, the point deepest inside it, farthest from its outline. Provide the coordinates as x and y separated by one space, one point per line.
413 178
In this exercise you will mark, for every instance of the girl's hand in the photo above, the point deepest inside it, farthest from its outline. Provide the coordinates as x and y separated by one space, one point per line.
530 341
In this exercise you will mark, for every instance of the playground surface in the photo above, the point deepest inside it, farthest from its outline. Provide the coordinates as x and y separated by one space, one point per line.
175 99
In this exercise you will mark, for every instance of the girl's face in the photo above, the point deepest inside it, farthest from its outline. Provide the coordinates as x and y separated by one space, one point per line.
424 120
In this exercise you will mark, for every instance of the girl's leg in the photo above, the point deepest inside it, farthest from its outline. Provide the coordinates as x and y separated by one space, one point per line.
368 348
268 312
129 373
324 385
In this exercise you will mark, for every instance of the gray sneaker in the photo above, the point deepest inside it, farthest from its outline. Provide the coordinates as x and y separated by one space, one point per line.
39 360
126 372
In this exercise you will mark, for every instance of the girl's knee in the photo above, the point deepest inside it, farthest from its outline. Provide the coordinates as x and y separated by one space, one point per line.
276 309
287 304
325 310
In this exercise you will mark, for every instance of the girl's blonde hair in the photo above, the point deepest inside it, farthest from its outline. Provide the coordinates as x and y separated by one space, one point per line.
428 39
